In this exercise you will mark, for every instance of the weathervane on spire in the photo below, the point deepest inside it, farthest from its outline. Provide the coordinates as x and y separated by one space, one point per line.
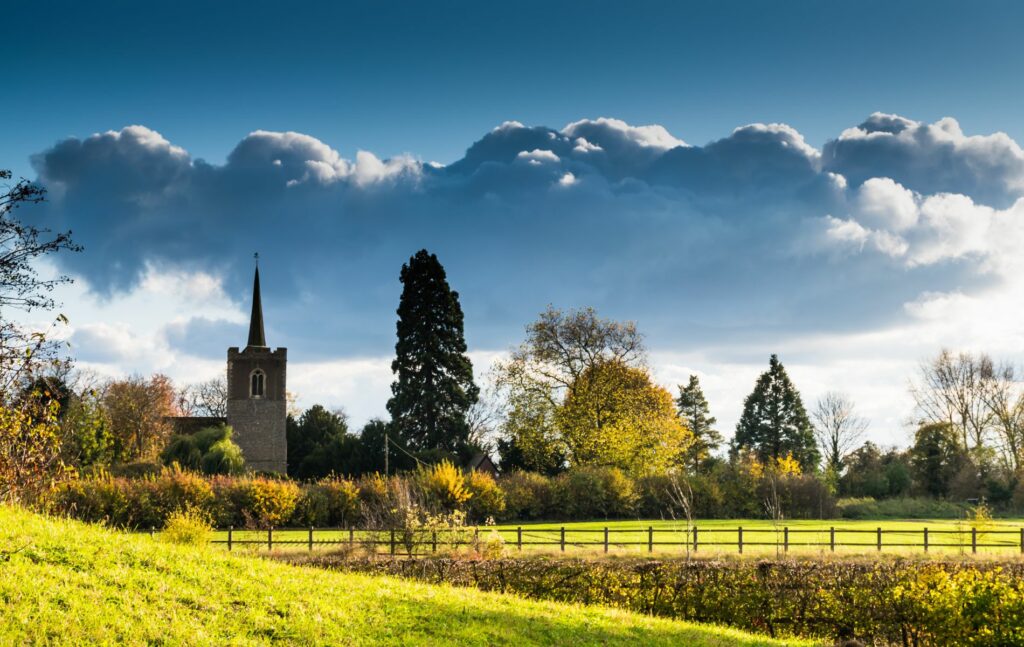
257 257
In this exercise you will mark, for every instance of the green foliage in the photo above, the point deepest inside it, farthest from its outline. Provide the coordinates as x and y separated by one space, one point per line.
224 457
73 584
487 501
434 387
596 493
209 450
85 434
880 603
613 414
774 422
696 415
189 526
316 443
936 458
901 508
342 501
262 502
528 495
531 441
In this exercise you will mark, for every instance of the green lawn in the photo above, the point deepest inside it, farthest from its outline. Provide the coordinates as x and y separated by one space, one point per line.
999 538
71 583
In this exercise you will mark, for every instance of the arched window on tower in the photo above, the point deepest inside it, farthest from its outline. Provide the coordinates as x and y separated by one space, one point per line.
257 383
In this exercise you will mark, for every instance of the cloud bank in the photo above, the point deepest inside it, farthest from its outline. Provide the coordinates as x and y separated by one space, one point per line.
749 243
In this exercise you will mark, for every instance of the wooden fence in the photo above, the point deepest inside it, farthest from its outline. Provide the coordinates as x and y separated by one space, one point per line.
782 539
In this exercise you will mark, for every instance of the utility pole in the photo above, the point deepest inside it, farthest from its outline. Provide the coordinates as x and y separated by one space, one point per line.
385 454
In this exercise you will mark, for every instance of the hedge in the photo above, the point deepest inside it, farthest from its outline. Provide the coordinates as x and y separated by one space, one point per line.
892 602
584 493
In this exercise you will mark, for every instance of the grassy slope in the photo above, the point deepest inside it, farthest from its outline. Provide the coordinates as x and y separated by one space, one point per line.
72 583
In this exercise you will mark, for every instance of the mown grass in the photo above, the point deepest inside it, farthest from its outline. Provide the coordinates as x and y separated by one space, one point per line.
998 538
65 582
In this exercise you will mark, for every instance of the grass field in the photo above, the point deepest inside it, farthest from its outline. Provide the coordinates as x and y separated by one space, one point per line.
70 583
1000 538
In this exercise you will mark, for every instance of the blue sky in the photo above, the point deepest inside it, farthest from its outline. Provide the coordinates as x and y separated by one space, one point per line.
428 78
836 182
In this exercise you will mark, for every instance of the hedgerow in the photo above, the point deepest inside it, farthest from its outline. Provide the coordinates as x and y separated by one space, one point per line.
879 603
583 493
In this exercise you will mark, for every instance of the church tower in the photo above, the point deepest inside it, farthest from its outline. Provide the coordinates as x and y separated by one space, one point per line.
257 406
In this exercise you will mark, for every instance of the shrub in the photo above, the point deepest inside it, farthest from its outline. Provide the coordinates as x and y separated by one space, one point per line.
224 457
209 450
342 501
443 486
313 507
527 495
486 501
595 492
905 508
188 526
177 490
269 502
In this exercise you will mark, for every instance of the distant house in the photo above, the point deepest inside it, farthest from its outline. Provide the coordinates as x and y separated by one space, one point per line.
481 462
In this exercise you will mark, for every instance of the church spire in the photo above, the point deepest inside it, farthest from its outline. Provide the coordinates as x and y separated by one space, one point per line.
256 336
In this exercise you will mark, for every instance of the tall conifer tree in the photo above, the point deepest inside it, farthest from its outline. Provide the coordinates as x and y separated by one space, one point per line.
774 422
696 414
434 385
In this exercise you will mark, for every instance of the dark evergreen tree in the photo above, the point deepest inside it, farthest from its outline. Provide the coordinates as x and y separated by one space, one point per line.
936 458
316 443
774 422
434 387
696 414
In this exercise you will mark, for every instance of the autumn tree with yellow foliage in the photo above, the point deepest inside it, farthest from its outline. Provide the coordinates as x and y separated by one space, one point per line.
579 393
615 415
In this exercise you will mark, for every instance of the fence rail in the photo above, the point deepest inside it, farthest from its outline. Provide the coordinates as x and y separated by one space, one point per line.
783 538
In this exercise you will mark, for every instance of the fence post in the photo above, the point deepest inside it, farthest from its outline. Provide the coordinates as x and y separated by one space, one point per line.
392 541
832 539
519 538
311 538
739 542
926 539
433 541
695 539
152 531
563 539
974 540
351 536
232 528
879 539
785 539
606 539
650 539
270 538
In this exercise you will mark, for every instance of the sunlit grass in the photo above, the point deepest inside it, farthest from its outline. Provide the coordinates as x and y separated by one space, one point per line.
66 582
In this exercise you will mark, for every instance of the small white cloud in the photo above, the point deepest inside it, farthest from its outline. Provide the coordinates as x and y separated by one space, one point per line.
508 125
567 180
537 157
653 136
583 146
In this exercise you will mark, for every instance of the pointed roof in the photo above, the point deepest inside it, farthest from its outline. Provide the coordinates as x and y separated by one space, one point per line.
257 338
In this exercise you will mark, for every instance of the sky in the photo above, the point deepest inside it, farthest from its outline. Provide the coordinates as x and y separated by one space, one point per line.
836 182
